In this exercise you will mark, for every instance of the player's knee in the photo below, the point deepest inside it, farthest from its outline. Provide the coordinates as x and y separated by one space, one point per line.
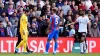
82 39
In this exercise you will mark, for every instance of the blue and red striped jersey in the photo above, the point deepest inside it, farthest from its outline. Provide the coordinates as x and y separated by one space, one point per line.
55 20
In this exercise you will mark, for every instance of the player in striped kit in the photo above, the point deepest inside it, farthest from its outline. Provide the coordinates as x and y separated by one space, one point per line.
53 29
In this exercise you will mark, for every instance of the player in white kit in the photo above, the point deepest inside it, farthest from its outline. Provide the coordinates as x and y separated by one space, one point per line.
83 21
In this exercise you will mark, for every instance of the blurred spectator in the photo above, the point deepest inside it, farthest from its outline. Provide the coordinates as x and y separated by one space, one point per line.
3 31
42 26
38 12
1 1
35 12
3 15
39 6
9 2
43 10
47 2
88 4
9 29
14 18
53 6
95 11
21 11
92 16
39 26
61 14
93 6
33 31
66 28
99 19
30 2
48 12
61 28
94 31
82 6
2 8
72 5
75 11
34 20
59 10
59 3
66 7
15 10
10 10
72 31
20 4
70 13
78 2
39 2
69 2
29 6
76 25
6 20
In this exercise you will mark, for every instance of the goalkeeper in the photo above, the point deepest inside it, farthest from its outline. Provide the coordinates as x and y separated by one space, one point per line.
23 32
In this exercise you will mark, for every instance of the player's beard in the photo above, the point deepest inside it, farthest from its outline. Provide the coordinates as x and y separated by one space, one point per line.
82 14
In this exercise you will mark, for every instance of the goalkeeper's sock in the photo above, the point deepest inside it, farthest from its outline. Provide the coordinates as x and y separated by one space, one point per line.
55 46
47 46
85 46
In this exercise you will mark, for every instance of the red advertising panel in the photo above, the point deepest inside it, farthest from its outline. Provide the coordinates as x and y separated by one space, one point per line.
38 44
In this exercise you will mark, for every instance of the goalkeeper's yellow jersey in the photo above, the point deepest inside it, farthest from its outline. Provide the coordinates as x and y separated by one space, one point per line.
23 23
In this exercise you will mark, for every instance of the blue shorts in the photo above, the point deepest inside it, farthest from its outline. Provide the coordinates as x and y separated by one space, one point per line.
54 34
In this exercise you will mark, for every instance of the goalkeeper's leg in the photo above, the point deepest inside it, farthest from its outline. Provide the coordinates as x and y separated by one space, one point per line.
18 41
23 42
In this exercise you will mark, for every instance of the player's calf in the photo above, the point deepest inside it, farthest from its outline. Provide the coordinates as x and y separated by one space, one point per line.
47 46
83 45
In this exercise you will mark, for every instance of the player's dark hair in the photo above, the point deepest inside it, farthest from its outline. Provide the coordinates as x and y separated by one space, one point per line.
54 10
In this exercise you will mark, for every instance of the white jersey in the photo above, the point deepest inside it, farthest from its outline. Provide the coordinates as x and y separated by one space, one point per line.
83 21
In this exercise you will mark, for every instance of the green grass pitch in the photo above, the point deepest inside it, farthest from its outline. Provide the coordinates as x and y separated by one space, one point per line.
50 54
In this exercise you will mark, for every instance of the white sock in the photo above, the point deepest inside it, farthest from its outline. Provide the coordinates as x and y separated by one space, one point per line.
81 47
84 45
